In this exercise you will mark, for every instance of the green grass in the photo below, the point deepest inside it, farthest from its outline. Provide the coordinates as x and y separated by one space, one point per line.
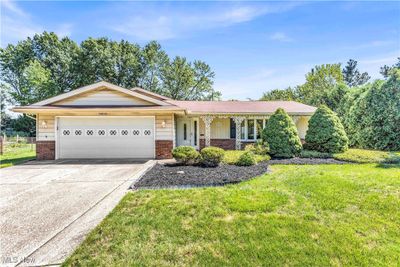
368 156
310 215
232 156
17 154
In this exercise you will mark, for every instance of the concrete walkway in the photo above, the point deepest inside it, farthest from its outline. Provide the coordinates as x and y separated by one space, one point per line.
47 208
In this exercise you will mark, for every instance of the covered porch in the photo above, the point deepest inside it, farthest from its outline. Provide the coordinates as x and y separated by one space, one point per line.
228 131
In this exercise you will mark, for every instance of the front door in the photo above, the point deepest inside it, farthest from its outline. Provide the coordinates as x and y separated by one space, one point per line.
188 132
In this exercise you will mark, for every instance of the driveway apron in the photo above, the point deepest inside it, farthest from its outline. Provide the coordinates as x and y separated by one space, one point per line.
47 208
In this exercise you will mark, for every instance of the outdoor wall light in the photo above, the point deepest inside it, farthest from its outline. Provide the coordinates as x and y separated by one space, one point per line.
163 124
44 124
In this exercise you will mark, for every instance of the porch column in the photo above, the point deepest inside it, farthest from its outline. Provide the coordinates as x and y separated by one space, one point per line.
238 122
207 122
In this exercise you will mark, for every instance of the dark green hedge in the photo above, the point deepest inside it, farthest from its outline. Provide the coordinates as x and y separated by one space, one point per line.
372 119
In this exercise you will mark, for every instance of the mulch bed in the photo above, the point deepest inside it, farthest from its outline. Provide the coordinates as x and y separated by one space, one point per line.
163 176
302 161
177 176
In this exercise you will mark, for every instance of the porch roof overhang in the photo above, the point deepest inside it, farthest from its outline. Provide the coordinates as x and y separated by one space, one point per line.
245 114
244 108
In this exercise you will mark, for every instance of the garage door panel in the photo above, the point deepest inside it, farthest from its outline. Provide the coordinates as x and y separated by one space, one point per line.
111 137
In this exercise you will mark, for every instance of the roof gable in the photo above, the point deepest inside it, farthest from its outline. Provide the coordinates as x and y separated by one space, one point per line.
103 97
83 92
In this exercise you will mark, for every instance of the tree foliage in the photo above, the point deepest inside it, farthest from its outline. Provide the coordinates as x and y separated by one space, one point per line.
281 135
373 119
352 75
325 132
320 81
385 70
45 65
288 94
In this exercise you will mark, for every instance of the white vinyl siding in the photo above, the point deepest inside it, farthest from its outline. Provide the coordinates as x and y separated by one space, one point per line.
103 97
166 131
45 127
220 128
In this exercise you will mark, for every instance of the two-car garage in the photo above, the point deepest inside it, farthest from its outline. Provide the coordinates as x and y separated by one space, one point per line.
105 137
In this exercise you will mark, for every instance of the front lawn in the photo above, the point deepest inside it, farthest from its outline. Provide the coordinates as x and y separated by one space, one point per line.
16 154
368 156
310 215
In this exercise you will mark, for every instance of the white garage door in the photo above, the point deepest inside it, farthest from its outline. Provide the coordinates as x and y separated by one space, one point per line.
105 137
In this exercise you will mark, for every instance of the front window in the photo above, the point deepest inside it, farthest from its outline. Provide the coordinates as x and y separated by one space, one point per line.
251 129
243 130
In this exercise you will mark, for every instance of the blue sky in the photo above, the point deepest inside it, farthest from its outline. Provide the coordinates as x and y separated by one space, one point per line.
253 47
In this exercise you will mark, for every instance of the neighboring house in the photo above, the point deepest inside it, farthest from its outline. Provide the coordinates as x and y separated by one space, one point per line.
103 120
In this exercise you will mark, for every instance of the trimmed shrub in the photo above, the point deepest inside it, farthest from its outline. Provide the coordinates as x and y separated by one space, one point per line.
259 148
281 135
211 156
246 159
186 155
314 154
325 132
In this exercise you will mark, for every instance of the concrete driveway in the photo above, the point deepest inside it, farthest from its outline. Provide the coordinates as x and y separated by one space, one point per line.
47 208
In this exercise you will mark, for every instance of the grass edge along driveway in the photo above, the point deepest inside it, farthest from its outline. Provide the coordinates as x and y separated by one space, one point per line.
298 215
17 154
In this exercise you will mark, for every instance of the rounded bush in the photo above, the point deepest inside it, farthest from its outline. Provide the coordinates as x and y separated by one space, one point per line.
211 156
185 155
281 135
326 133
246 159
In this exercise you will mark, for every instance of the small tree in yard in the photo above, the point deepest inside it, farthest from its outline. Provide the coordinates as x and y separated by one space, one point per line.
281 135
325 132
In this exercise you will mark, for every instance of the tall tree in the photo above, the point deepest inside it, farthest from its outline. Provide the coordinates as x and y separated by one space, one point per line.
45 65
320 81
154 59
54 55
352 76
184 80
103 59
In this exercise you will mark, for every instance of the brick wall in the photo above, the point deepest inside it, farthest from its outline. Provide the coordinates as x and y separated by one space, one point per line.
45 150
227 144
163 149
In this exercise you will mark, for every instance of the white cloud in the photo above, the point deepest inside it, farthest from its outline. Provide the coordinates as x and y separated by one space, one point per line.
166 24
281 37
12 7
17 24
